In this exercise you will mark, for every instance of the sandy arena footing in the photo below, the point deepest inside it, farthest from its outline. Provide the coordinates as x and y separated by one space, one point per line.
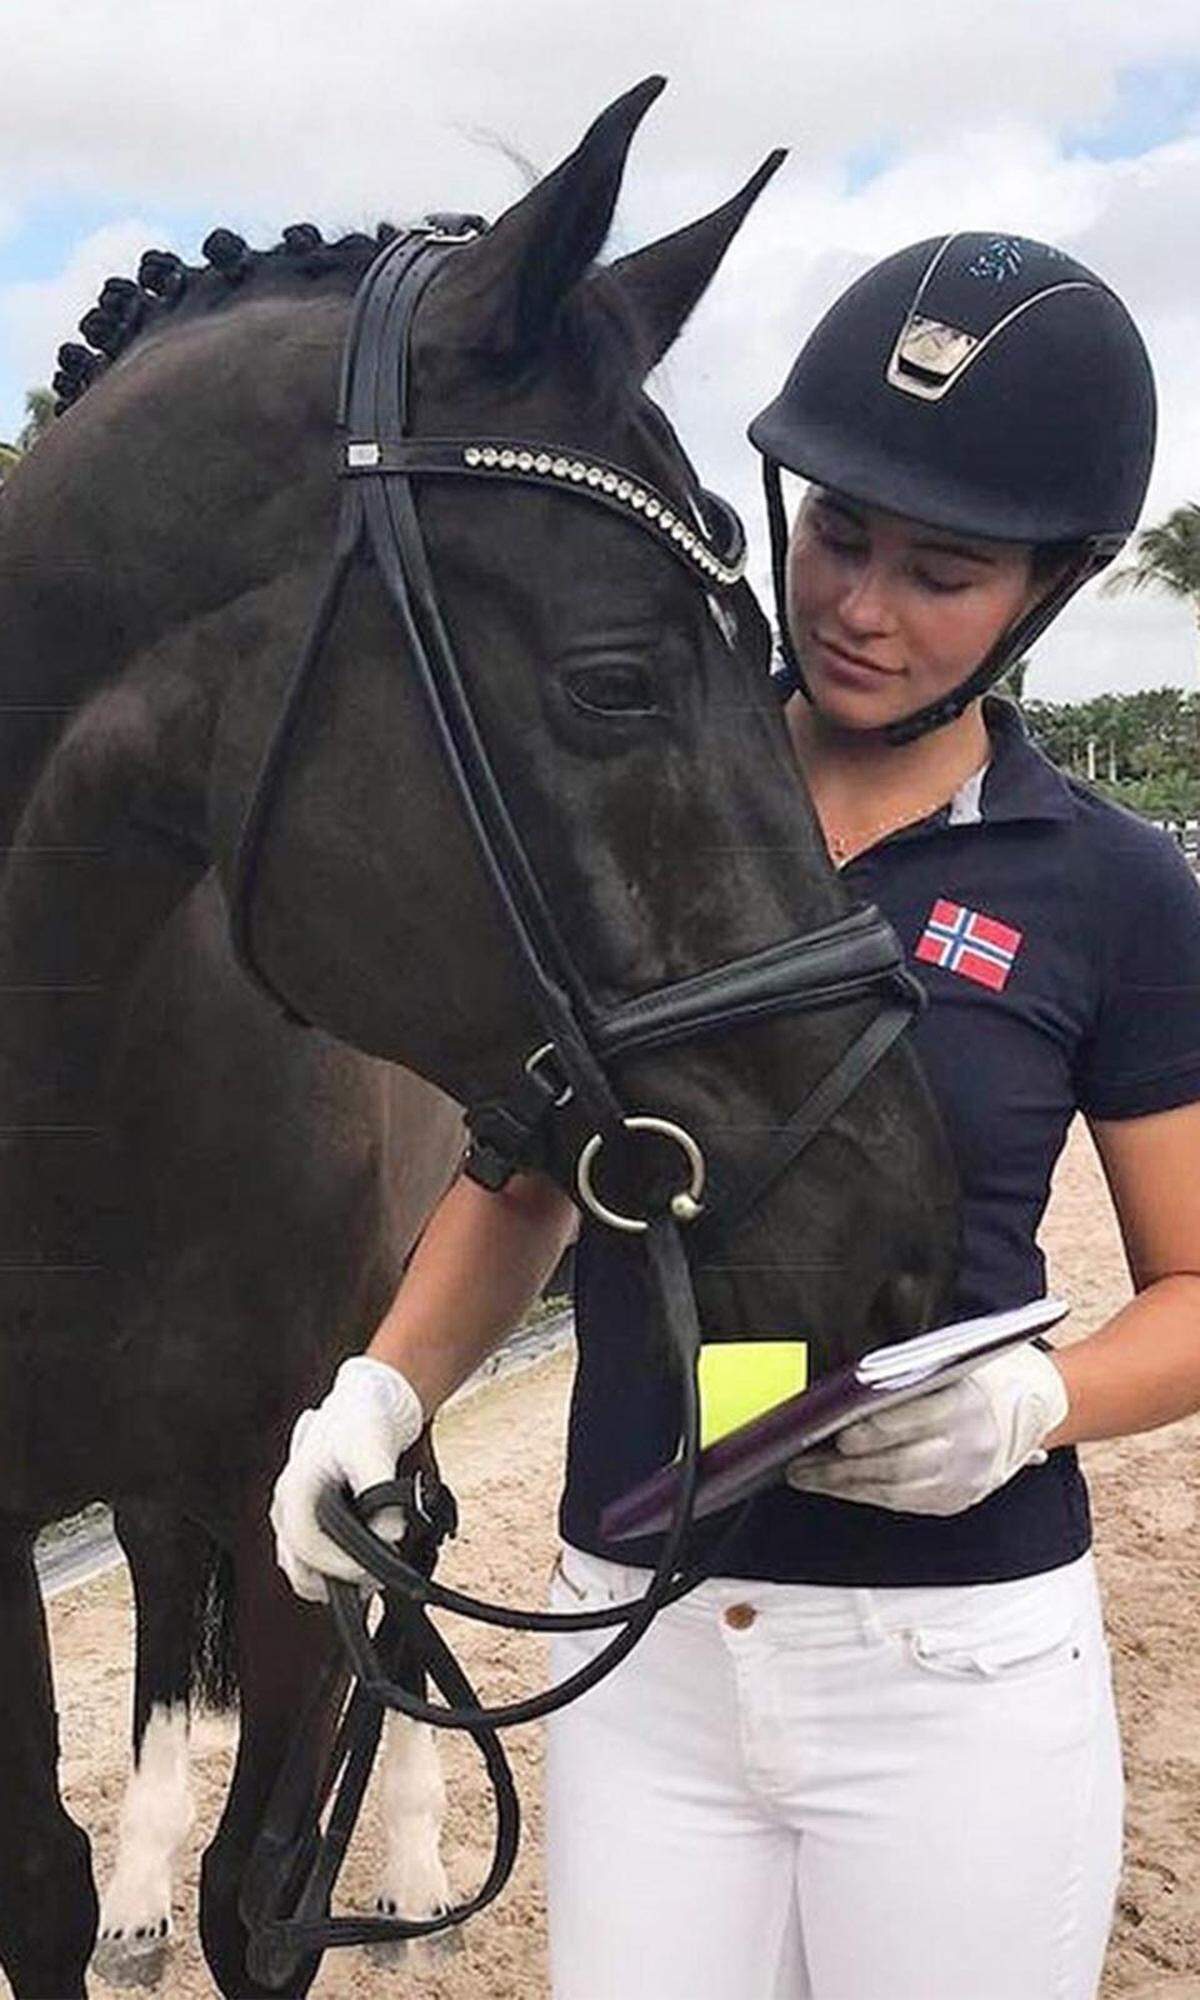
502 1453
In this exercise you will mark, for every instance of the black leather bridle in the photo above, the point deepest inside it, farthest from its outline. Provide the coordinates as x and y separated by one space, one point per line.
292 1871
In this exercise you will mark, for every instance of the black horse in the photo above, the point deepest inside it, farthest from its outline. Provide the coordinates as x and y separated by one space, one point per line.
204 1205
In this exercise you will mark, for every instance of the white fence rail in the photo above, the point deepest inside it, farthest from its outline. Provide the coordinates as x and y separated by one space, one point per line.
1187 833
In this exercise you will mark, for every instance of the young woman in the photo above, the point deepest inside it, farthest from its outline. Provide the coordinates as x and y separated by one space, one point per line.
877 1757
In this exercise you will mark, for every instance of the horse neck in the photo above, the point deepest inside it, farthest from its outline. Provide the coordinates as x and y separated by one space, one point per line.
60 643
73 620
166 495
108 845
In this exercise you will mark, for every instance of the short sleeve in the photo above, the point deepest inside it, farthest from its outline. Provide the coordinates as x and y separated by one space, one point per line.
1143 1051
784 679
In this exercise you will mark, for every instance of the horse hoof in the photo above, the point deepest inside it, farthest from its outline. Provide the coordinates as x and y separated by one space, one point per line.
394 1951
387 1952
136 1957
445 1944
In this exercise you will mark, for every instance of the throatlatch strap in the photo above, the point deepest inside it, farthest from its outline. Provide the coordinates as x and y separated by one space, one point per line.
262 798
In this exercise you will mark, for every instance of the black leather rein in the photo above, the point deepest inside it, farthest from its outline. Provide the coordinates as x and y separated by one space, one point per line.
291 1877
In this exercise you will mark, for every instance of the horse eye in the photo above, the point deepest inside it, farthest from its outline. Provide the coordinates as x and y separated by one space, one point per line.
612 690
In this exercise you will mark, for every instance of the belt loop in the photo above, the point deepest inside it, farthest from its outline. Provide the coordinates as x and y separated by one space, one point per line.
866 1608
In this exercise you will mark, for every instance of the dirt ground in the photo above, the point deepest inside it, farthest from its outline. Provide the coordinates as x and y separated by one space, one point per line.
502 1452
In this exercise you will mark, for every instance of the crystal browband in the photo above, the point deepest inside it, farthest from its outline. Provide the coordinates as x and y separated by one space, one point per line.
547 465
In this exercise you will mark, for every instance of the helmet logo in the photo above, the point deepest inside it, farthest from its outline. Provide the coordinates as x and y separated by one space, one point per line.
1001 258
929 356
1004 257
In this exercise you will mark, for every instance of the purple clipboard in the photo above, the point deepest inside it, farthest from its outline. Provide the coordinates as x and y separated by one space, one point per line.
754 1456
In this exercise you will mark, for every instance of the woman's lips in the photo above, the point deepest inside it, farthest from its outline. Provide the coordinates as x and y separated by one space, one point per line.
847 666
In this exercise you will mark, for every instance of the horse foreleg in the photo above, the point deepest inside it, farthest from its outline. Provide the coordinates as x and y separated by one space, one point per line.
155 1819
283 1648
413 1805
170 1560
412 1790
47 1895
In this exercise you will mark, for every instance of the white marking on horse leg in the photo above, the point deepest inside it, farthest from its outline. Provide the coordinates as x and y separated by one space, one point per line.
156 1817
413 1804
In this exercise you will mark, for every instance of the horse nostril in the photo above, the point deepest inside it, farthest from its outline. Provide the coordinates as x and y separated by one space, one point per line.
899 1307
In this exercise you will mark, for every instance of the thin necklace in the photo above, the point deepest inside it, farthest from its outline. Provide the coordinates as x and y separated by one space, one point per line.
842 845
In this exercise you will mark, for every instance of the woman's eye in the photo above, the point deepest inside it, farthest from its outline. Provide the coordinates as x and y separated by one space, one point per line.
612 690
837 544
940 586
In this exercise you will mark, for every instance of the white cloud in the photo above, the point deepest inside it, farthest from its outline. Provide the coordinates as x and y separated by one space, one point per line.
1119 644
38 314
258 116
371 100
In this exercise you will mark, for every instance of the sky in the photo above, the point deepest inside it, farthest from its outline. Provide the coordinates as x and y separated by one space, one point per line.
131 123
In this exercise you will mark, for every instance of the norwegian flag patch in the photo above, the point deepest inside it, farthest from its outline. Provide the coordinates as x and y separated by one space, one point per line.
968 942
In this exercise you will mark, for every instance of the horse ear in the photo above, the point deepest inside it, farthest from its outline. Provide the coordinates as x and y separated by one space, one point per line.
520 272
665 281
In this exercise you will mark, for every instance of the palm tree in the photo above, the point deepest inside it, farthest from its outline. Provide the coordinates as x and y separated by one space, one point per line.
1166 556
39 415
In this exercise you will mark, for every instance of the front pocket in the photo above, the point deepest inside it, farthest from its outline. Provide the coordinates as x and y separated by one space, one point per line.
1022 1658
581 1582
564 1591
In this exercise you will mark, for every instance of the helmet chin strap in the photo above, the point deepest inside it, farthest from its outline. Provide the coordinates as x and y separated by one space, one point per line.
1097 552
1013 641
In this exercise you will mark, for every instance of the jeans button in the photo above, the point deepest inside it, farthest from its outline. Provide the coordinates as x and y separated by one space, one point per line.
740 1616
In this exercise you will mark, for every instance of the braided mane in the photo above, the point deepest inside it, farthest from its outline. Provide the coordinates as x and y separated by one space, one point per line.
165 285
601 339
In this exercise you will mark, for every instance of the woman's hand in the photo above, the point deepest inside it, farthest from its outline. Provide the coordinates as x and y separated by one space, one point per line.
354 1438
945 1451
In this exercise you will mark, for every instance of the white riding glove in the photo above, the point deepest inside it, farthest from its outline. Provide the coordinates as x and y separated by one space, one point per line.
945 1451
371 1414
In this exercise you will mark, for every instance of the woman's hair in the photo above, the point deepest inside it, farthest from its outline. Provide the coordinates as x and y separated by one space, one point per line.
1048 558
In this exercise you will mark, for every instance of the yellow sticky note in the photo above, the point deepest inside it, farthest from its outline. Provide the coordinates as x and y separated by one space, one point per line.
739 1379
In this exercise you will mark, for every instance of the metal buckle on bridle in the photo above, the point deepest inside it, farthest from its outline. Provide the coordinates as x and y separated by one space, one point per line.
450 228
533 1065
685 1206
434 1504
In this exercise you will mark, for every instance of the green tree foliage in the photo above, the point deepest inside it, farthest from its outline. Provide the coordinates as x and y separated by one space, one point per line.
39 415
1144 748
1165 557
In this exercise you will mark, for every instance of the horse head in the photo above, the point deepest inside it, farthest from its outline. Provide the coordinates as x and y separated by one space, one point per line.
623 699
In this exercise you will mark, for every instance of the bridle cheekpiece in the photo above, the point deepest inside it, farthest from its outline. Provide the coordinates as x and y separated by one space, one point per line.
854 959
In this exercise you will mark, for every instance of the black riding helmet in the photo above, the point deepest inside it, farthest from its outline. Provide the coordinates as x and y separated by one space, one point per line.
985 384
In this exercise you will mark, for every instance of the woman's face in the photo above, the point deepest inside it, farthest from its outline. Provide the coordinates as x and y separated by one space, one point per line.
885 614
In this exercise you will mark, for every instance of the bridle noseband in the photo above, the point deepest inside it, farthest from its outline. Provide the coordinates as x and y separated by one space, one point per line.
292 1871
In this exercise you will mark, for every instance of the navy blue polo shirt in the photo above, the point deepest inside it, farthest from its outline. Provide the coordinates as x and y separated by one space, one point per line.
1058 939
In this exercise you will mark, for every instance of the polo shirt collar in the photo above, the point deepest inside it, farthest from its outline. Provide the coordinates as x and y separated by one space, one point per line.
1019 782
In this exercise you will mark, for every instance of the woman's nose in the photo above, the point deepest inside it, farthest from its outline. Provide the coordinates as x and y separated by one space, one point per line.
865 607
